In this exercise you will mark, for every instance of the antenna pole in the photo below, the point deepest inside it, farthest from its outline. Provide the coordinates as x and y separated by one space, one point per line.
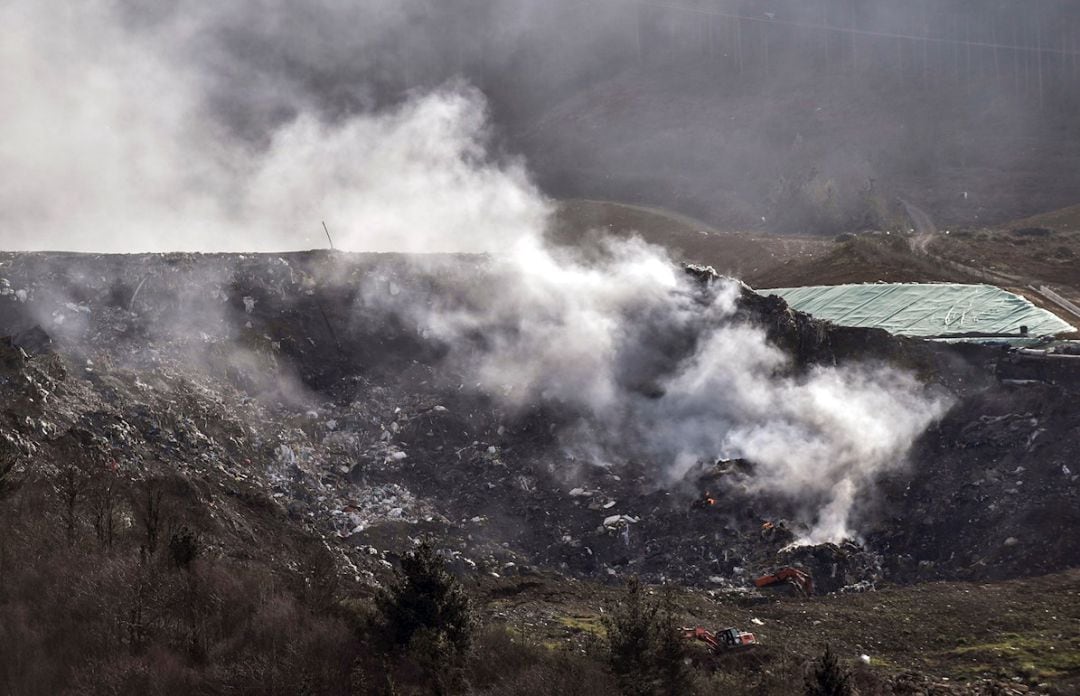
328 235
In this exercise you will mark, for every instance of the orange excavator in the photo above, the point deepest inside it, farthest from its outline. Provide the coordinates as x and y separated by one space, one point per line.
722 641
800 580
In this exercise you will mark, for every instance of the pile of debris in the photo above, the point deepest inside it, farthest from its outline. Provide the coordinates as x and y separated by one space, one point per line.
269 385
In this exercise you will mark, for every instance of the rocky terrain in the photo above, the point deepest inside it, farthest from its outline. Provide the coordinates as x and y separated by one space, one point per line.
283 411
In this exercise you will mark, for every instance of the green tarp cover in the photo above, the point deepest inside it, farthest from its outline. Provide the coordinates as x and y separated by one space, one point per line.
922 309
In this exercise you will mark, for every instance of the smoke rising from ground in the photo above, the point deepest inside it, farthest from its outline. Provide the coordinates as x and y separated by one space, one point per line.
116 139
112 142
130 117
661 369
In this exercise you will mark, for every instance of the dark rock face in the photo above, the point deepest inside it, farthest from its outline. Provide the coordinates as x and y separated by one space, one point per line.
270 388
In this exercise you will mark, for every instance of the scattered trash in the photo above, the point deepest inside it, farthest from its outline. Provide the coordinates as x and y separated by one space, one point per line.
616 520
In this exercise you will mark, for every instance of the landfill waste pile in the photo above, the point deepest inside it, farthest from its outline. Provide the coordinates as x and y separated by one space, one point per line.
269 374
290 408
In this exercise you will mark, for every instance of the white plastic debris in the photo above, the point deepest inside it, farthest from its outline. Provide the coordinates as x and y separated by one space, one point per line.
286 455
757 622
865 659
78 309
615 520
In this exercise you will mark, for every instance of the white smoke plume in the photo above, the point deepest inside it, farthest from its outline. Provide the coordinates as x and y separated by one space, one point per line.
111 143
661 369
819 438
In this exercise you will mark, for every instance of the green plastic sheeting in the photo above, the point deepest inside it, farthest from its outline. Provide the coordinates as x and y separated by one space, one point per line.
921 309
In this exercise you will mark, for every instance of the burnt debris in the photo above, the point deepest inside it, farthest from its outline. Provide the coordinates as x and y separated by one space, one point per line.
267 383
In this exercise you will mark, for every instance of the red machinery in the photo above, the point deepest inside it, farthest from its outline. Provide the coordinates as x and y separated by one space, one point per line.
800 580
721 641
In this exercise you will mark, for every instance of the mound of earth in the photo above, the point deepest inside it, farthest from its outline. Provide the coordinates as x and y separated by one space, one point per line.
264 382
740 255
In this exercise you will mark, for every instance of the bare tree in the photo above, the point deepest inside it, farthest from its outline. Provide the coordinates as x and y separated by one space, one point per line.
9 457
104 498
148 511
74 458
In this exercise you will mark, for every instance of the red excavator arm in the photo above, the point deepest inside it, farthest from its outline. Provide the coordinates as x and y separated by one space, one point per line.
800 579
705 636
721 641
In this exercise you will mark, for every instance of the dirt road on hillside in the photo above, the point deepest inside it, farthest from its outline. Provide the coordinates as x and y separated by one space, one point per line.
926 231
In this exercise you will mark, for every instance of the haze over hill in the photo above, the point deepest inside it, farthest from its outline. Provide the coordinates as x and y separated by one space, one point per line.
796 117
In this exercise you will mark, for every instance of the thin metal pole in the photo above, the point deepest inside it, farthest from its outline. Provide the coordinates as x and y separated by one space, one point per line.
328 235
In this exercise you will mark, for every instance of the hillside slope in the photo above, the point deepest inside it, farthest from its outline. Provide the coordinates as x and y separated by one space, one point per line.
306 438
801 156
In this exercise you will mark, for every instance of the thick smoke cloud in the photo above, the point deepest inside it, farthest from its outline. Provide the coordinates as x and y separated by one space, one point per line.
660 369
126 112
114 141
122 134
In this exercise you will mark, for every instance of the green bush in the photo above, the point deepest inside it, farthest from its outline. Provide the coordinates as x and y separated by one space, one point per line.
425 597
827 677
646 652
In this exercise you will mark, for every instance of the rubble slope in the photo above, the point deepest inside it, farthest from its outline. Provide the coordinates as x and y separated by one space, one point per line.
268 385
